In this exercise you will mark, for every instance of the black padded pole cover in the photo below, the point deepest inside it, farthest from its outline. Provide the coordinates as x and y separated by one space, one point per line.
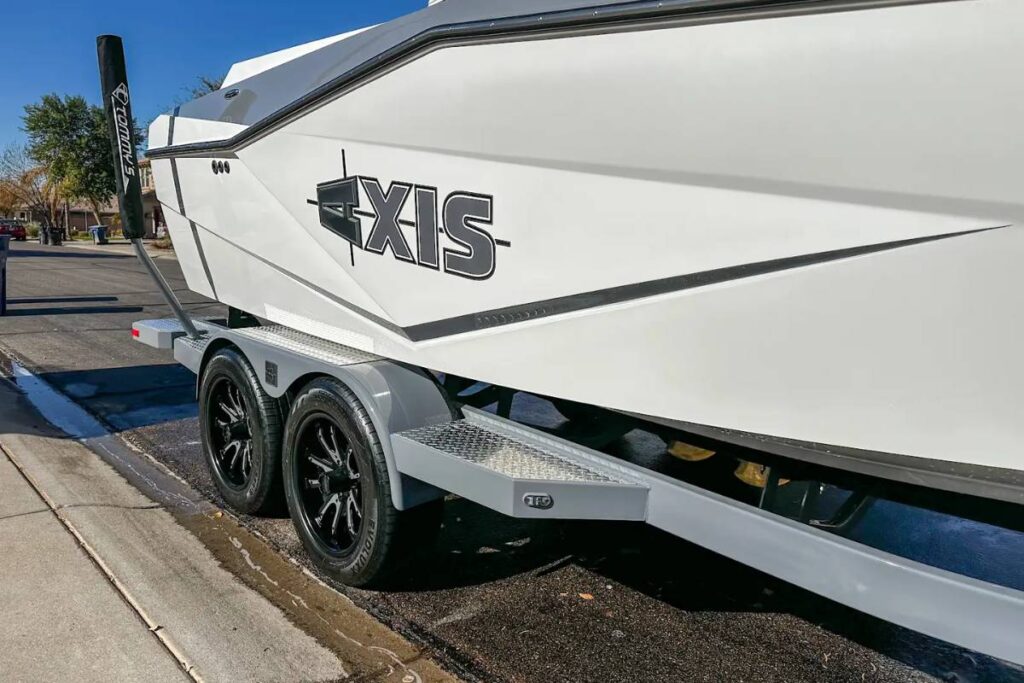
117 103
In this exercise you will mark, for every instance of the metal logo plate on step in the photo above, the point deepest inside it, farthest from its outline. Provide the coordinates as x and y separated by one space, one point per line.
538 501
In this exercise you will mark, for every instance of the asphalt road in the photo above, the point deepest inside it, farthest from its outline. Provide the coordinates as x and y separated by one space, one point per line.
502 599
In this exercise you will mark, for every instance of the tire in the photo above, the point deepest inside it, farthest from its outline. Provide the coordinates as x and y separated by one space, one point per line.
359 539
234 408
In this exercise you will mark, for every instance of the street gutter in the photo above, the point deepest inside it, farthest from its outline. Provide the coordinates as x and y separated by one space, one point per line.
370 650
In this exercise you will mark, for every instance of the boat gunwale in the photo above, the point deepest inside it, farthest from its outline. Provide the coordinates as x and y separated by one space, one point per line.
599 18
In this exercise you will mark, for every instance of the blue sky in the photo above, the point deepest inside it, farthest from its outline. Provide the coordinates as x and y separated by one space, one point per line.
50 45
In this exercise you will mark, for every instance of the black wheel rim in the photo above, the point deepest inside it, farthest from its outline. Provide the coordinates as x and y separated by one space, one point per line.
329 479
230 433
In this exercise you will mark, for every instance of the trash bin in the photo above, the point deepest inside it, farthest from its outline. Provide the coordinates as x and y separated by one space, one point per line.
5 245
99 234
44 236
56 237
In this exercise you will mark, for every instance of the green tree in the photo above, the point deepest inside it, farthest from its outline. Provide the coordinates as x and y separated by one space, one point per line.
70 139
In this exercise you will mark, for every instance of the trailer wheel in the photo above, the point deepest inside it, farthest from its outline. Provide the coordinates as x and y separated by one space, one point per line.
338 490
241 426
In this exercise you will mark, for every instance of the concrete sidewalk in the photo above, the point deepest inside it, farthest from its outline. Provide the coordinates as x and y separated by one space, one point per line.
62 618
98 582
119 247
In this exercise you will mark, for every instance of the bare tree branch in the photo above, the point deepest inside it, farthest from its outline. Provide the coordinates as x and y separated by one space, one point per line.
27 185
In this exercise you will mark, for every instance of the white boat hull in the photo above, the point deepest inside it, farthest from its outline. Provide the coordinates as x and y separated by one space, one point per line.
804 225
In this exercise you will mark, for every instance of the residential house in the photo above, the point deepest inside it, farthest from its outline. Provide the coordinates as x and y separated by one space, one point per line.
78 216
152 211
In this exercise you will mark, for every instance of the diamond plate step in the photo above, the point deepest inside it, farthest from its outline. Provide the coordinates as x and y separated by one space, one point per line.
517 471
161 333
287 339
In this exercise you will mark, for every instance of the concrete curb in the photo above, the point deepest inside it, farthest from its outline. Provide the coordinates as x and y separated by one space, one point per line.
160 569
160 634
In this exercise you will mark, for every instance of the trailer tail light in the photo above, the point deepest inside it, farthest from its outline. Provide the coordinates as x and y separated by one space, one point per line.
135 332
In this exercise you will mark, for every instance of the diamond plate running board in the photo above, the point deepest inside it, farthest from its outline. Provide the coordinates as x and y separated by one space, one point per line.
518 471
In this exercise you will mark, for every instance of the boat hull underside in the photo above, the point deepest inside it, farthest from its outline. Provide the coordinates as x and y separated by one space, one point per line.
762 225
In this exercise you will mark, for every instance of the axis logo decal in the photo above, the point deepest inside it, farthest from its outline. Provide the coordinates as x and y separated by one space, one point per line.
409 221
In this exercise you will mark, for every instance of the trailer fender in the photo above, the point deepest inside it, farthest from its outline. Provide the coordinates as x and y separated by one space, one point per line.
398 397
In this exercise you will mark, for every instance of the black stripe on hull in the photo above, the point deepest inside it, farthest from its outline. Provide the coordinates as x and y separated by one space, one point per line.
170 126
202 257
577 302
177 186
603 297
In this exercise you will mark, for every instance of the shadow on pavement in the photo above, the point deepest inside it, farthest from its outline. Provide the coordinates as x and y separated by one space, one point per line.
56 252
71 310
60 299
130 397
478 546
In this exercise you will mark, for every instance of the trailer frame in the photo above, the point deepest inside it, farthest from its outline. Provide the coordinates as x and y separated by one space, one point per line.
429 454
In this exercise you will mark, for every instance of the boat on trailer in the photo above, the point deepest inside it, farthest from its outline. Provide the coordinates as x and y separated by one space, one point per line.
793 224
792 227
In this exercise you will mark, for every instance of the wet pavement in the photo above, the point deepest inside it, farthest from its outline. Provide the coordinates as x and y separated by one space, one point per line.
504 599
166 550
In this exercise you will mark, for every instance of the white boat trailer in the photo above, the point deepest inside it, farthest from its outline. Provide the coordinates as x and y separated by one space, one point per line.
413 437
433 447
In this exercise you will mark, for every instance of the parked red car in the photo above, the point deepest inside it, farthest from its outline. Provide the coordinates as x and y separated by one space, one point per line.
16 229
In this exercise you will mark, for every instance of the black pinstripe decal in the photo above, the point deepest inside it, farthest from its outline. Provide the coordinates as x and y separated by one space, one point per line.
577 302
202 257
603 297
177 186
170 126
